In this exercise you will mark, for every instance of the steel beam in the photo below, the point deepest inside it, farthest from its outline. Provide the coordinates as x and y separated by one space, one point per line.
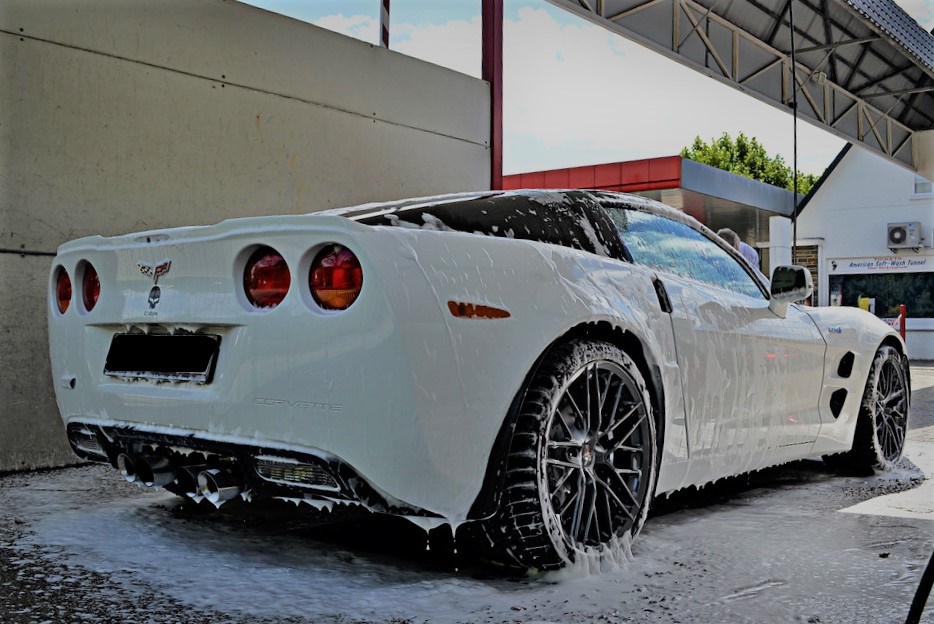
692 34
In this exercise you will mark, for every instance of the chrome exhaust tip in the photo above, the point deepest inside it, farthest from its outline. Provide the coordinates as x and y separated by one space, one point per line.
154 470
187 479
219 486
127 467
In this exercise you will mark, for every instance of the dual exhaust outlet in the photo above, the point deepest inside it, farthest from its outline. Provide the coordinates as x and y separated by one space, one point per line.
217 485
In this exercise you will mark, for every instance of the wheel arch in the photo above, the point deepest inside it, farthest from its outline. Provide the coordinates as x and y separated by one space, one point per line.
898 345
487 501
876 447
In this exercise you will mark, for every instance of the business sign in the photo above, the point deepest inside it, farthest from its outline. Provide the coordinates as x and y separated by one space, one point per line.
881 264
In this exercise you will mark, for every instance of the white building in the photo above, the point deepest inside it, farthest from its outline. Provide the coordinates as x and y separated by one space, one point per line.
868 230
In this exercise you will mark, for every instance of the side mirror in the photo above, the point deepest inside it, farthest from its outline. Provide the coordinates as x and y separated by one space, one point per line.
789 284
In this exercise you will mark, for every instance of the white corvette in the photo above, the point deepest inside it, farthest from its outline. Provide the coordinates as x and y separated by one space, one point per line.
543 363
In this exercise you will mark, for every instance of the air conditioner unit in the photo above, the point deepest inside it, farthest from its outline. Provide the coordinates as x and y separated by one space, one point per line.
902 235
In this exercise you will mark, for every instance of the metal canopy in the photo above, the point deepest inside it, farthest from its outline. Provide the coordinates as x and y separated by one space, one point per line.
864 68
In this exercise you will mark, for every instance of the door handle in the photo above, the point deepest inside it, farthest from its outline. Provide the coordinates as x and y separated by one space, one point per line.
663 301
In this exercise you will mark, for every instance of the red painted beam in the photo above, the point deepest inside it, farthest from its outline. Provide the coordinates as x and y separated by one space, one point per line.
384 24
632 176
492 72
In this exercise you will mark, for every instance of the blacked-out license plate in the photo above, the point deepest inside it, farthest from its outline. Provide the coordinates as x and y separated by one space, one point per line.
178 357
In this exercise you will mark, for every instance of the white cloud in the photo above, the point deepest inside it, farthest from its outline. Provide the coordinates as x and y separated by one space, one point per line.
576 94
455 44
361 27
921 10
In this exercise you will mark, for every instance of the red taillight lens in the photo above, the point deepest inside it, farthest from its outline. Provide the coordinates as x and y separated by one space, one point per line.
63 290
266 278
90 287
335 278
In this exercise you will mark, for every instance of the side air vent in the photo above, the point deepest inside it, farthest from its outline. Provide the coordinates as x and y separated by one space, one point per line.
86 441
845 369
836 402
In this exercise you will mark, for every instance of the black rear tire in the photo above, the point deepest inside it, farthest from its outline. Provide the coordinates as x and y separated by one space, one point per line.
582 467
883 417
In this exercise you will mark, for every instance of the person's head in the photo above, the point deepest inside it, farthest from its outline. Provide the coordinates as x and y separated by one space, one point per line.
729 236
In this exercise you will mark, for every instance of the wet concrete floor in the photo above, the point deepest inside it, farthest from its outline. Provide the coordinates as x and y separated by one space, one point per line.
798 543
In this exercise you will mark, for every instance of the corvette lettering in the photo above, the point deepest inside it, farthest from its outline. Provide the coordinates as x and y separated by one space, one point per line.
307 405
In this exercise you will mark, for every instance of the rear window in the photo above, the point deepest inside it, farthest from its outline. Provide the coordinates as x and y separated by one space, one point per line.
572 220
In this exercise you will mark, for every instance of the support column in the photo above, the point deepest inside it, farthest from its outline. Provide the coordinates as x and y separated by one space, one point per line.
923 152
779 242
493 73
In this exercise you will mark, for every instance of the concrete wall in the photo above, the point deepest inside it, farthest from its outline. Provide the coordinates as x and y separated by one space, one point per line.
121 115
847 218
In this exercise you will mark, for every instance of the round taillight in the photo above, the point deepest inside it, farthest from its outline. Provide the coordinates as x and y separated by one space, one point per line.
62 290
266 278
335 278
90 287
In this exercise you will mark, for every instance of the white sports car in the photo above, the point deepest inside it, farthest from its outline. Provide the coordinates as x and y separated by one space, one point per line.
541 363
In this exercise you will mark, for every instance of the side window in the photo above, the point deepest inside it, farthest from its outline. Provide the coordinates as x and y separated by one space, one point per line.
672 246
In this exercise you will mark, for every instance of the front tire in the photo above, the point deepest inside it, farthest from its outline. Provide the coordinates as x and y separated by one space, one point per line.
582 468
883 417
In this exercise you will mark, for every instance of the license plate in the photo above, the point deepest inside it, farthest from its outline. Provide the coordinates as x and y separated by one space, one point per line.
179 357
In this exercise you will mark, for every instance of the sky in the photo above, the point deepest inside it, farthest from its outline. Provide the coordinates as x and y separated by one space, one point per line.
575 94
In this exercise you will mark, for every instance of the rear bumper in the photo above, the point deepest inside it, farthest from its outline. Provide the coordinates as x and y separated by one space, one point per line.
298 475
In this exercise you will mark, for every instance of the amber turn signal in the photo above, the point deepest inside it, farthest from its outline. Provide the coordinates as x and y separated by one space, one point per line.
473 310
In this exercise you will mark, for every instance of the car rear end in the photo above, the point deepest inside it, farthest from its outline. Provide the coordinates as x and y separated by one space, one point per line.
254 357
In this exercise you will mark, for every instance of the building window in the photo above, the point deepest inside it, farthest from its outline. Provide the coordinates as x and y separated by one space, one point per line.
915 290
923 186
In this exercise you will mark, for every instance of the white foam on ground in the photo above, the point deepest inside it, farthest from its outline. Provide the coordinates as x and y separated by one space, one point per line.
918 502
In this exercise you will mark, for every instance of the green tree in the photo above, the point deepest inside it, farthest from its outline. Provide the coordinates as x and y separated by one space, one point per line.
746 156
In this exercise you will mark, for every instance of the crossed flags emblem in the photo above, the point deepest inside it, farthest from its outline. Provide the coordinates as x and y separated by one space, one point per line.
155 270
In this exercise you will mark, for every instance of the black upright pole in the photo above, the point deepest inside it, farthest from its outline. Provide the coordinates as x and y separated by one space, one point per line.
794 140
